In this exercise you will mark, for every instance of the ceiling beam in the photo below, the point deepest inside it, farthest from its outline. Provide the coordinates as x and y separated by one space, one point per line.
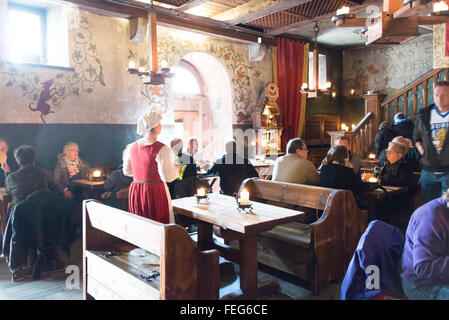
325 17
256 9
191 4
176 19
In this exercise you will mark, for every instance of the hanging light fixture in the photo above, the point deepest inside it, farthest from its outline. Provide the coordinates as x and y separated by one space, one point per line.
154 76
397 23
317 91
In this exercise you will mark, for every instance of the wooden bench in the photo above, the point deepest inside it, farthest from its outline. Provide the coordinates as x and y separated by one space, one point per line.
318 252
121 251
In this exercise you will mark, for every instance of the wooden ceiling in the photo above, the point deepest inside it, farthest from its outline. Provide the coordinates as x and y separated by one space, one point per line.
246 20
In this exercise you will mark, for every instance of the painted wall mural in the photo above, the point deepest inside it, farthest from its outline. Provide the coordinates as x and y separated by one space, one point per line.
98 90
47 90
439 45
386 69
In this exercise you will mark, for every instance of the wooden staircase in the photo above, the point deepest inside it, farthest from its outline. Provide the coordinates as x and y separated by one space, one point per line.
409 100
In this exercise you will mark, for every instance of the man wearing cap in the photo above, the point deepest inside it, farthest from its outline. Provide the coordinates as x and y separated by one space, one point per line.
151 164
431 140
403 126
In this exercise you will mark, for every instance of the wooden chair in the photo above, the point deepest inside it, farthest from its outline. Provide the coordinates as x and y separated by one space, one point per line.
122 251
318 252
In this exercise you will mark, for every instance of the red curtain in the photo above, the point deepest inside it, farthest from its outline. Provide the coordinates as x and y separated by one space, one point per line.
290 64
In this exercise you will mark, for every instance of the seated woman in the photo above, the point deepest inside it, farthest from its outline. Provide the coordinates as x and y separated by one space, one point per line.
396 172
337 173
28 178
70 167
193 150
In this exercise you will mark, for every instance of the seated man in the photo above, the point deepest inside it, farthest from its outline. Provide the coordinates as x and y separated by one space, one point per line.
424 266
232 169
28 178
183 186
115 182
7 164
396 172
294 167
354 159
412 157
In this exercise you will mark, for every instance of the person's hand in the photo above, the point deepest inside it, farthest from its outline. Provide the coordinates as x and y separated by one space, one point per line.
68 194
178 166
348 163
5 167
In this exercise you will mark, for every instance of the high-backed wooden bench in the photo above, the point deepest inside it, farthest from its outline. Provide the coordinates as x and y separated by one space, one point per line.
121 251
318 252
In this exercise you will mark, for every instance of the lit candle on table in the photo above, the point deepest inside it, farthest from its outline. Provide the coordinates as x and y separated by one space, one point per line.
372 179
372 156
96 174
201 192
141 69
132 65
244 197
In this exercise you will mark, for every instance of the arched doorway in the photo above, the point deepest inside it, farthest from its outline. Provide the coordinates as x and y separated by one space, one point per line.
202 103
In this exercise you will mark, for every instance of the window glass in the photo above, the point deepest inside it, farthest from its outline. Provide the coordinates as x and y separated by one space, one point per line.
25 41
322 71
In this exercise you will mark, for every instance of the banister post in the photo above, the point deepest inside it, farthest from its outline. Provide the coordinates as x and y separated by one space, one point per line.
372 104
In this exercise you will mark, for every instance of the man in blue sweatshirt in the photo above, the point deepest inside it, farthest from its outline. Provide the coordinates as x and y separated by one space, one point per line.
424 266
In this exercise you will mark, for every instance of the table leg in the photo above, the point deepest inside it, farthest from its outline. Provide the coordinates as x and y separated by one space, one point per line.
248 264
205 240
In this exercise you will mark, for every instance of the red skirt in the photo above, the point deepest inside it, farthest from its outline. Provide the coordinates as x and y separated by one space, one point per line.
149 200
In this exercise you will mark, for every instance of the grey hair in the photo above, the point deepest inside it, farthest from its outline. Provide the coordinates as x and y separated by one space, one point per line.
398 147
69 144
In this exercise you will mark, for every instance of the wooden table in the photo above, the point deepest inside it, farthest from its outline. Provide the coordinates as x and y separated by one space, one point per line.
91 189
231 224
372 197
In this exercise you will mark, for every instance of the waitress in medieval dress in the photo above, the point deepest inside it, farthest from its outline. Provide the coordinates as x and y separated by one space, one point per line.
151 164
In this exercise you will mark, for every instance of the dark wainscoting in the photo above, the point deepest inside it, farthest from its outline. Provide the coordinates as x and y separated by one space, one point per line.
100 144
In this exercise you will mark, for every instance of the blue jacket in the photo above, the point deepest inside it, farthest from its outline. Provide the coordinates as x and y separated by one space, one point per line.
380 245
425 260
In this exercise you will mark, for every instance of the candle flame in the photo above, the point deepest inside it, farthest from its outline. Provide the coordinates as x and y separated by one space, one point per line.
343 10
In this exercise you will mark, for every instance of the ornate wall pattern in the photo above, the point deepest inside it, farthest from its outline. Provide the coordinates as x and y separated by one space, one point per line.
100 91
439 43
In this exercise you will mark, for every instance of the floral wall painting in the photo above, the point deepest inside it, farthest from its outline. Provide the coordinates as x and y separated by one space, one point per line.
46 90
99 90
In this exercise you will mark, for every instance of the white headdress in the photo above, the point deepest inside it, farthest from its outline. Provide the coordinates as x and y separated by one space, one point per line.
149 121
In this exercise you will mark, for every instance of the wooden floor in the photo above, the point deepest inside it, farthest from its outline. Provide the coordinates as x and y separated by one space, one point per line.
52 286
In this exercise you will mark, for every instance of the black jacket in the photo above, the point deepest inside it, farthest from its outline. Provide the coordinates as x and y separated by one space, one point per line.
398 174
39 221
340 177
232 169
431 160
404 128
383 137
26 180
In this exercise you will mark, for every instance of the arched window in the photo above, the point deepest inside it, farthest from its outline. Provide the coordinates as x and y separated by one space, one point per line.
185 82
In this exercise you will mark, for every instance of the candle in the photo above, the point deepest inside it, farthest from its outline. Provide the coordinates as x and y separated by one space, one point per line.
353 126
372 156
372 179
343 10
244 197
96 174
132 65
304 86
352 91
164 64
440 6
201 192
328 85
141 69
